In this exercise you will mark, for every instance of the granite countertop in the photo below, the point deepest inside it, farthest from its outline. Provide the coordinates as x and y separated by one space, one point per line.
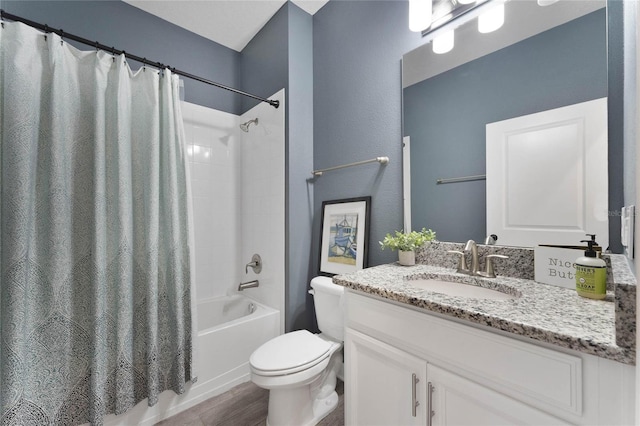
539 311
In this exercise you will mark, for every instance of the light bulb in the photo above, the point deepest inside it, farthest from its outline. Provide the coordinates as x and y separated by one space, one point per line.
492 19
419 15
546 2
466 1
443 43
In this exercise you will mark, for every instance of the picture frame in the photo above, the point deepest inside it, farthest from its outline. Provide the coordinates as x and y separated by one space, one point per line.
344 235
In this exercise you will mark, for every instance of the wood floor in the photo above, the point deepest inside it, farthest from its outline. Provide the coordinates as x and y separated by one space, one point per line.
244 405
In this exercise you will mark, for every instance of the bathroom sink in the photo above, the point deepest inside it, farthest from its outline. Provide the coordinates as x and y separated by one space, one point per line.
459 289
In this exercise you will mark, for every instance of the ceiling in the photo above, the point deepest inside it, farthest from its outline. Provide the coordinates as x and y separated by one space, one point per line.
232 23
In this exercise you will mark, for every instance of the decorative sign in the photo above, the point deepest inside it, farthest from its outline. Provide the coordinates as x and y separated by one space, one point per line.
556 265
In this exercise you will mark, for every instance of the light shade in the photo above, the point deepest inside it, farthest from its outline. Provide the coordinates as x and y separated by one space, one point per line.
492 19
419 14
443 43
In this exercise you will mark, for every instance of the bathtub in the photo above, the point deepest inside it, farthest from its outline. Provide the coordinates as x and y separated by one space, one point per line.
230 328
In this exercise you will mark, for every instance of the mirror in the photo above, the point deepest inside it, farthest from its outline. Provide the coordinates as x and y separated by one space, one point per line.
541 59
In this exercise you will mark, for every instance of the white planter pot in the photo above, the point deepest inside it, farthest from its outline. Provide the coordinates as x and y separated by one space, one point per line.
407 258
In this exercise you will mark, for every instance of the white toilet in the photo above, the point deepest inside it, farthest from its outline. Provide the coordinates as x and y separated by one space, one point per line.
300 368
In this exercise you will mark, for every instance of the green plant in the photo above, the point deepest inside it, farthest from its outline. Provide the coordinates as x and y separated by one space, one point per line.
407 242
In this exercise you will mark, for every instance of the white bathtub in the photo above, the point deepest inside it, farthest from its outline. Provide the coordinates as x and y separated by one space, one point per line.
230 328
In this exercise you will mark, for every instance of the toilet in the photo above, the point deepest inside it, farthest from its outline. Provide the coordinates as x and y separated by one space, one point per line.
300 368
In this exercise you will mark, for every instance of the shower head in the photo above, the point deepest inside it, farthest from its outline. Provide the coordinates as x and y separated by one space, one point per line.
245 126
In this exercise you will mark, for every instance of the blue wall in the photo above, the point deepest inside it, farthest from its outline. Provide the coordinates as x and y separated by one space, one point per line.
357 48
118 24
281 55
446 116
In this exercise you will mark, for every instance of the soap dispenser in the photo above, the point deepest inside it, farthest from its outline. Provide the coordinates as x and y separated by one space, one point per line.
591 272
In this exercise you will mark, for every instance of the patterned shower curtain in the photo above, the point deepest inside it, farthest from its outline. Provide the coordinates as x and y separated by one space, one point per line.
94 237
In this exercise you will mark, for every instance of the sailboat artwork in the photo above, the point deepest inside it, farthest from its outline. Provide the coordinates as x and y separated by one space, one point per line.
343 239
344 235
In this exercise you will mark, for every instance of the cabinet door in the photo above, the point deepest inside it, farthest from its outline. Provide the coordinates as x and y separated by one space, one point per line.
455 400
382 383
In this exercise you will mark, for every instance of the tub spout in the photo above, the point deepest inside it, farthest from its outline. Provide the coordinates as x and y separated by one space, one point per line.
248 284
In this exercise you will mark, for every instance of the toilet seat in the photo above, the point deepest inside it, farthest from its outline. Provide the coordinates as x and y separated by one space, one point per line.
290 353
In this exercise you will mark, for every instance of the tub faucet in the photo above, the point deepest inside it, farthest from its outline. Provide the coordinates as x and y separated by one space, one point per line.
248 284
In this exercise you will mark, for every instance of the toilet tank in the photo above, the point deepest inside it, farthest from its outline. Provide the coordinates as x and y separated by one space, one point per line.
328 300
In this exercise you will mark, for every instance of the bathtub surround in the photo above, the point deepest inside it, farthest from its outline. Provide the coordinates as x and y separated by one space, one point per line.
95 238
214 150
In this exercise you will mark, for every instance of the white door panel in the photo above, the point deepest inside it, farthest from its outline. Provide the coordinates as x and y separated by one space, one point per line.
547 176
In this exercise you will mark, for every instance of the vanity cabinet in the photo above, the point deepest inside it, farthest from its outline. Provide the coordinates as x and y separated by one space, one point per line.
385 383
387 386
401 363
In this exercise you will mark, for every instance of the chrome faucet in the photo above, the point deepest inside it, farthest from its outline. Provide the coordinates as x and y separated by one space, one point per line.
473 247
249 284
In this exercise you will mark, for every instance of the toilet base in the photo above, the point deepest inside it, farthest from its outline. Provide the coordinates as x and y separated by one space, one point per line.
289 407
306 405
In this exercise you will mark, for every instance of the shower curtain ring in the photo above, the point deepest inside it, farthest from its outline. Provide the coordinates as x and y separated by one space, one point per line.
61 36
46 31
113 54
97 44
144 64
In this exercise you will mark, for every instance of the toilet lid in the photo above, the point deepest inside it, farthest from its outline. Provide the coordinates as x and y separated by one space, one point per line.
289 351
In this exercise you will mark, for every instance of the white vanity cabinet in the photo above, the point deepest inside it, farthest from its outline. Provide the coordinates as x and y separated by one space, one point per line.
385 384
400 363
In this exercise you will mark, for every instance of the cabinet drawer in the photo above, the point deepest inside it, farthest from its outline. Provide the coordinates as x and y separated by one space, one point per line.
539 376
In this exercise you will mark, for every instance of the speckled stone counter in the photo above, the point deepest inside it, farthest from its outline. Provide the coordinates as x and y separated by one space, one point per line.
540 312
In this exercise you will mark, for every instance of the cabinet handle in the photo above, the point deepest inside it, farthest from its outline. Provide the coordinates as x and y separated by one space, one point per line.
430 412
414 399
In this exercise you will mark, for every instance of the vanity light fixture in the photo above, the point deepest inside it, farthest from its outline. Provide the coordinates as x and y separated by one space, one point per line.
420 14
443 43
492 19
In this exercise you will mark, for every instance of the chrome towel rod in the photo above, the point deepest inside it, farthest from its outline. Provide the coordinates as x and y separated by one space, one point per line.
381 160
461 179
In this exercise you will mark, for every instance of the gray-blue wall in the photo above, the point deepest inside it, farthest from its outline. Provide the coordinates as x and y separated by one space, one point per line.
357 51
281 55
446 116
118 24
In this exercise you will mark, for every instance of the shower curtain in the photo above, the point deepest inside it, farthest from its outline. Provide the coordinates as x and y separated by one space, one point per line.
95 274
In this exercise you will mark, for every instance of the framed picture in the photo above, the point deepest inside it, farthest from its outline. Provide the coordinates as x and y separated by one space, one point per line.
344 235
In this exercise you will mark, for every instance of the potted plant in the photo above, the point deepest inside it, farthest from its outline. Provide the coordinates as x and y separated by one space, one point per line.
407 243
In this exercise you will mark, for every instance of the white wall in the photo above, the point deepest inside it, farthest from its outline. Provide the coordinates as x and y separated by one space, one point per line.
214 148
263 198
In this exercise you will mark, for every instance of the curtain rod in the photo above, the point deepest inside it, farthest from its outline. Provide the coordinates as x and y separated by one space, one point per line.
144 61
